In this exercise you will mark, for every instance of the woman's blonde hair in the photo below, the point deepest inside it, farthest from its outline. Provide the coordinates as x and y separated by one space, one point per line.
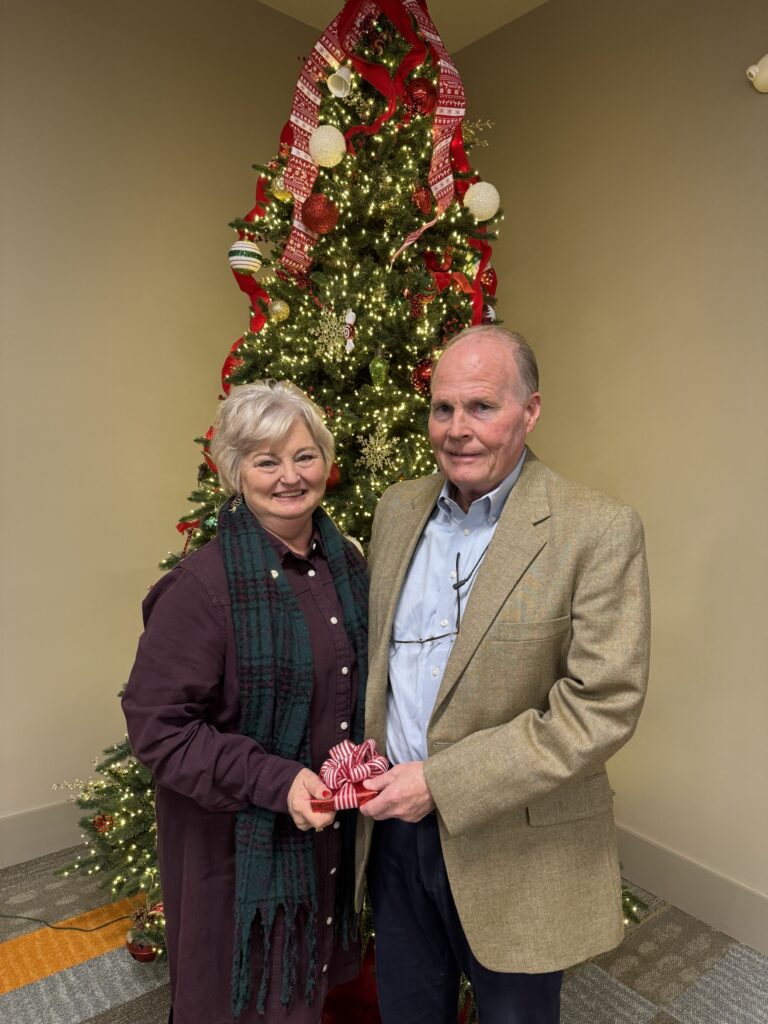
262 413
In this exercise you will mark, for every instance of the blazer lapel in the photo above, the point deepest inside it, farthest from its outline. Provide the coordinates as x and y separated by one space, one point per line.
522 532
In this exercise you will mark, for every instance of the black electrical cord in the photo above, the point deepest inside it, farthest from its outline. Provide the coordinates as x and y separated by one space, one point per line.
64 927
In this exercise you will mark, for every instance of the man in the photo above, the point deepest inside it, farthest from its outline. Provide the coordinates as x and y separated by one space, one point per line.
509 625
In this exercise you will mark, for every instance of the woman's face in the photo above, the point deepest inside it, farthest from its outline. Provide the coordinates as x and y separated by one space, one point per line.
284 481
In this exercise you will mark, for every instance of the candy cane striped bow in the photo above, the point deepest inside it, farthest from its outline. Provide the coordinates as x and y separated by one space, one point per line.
346 767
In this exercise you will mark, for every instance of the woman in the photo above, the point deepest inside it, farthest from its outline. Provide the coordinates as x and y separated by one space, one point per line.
252 665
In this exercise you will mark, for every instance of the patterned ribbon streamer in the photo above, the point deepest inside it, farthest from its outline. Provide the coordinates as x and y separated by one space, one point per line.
343 772
449 113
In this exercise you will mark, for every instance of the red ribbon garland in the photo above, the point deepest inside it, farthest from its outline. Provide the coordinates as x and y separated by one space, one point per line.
460 163
231 363
477 288
262 199
188 526
345 769
377 75
208 438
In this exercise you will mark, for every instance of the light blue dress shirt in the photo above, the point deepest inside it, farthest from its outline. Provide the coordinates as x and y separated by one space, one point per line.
428 611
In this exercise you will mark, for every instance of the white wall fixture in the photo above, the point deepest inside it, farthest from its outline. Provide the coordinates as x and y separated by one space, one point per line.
758 74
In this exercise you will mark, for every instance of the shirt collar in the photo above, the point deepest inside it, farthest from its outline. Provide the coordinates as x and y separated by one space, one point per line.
284 552
490 505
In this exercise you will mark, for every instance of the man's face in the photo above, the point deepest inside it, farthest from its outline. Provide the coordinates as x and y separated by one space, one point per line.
477 423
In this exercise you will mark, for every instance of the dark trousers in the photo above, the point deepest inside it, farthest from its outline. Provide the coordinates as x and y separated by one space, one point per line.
421 947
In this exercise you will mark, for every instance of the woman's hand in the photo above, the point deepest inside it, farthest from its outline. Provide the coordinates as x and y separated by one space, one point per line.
305 787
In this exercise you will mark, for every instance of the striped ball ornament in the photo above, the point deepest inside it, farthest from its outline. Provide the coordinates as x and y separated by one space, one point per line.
245 257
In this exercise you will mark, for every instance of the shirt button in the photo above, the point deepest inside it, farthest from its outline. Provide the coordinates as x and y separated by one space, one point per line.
443 622
325 968
334 620
344 670
453 574
311 573
333 871
337 824
345 725
435 670
466 532
493 519
329 920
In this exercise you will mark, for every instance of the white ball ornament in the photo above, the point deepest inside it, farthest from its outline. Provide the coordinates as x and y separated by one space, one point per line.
327 145
482 200
245 257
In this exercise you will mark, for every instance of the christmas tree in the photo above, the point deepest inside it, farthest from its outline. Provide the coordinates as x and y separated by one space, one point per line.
367 248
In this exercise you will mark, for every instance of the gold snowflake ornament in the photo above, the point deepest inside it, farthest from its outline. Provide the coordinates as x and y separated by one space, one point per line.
378 452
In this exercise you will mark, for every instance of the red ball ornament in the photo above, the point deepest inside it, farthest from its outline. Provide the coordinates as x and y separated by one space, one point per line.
422 199
319 214
489 281
440 260
142 951
421 95
334 477
421 376
103 823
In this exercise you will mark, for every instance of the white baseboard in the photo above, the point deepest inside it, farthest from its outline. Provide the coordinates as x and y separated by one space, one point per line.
721 902
35 833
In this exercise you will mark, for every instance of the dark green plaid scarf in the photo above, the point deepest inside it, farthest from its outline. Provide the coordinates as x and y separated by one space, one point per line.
274 860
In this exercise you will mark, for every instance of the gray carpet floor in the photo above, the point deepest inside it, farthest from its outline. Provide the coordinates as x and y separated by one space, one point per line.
670 969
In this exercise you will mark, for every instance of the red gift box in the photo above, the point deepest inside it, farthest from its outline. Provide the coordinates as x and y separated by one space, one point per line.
343 772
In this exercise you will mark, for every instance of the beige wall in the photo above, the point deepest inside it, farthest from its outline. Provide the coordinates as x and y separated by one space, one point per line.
632 157
128 134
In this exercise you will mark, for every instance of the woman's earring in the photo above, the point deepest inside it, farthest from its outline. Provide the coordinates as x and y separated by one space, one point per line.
237 501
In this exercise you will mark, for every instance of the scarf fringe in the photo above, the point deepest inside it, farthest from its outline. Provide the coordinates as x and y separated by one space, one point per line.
264 919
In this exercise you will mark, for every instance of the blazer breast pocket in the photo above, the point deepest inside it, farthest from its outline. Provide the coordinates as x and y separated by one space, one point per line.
522 632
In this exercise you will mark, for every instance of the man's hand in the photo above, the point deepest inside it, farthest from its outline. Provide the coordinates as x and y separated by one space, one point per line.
306 786
402 793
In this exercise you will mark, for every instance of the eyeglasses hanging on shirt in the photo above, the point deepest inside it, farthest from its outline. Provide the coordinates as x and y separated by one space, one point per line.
457 587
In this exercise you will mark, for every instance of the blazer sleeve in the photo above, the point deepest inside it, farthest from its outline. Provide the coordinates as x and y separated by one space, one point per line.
592 710
178 707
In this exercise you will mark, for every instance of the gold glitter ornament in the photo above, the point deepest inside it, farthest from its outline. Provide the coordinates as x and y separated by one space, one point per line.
378 452
279 310
330 334
279 191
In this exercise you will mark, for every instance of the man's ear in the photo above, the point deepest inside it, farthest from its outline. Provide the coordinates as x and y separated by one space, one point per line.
532 411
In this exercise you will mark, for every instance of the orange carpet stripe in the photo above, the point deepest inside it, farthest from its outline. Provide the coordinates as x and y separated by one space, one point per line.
45 952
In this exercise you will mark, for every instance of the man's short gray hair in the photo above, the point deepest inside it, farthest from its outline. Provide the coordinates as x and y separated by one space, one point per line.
525 360
259 414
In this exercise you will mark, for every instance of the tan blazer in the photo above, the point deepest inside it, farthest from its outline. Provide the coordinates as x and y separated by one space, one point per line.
544 683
